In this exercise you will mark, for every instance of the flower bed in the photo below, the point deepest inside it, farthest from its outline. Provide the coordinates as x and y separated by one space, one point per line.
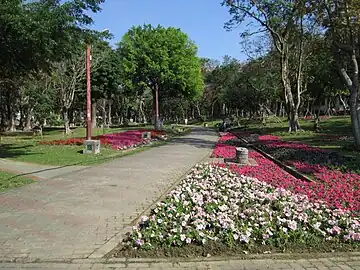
310 117
119 141
337 189
215 205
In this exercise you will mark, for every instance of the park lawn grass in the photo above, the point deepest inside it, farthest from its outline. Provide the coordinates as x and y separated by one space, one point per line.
327 138
10 180
333 126
28 149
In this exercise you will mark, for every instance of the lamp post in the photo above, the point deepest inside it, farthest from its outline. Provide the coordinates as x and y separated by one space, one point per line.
157 107
88 94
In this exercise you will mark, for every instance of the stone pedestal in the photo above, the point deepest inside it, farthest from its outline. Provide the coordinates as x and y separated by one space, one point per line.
91 147
242 155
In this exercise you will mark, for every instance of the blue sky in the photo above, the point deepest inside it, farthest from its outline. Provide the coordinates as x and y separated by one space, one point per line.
202 20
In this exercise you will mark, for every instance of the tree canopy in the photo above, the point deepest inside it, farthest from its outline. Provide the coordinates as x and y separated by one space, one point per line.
162 59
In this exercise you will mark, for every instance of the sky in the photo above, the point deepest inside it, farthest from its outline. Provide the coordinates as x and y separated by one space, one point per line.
202 20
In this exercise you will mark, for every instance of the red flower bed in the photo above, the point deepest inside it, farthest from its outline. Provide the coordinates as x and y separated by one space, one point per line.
120 140
337 189
275 142
309 117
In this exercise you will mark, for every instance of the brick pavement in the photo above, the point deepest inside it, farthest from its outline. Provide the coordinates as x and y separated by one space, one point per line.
350 262
37 170
84 214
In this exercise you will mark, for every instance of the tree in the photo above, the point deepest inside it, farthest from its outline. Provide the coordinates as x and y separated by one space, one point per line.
37 99
161 59
68 77
34 35
285 21
341 20
105 79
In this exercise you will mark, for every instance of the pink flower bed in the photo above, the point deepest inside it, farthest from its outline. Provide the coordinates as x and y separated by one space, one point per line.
337 189
128 139
222 149
275 142
119 141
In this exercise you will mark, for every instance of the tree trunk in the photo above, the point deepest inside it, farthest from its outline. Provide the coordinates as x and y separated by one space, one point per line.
28 116
104 115
353 85
2 122
142 113
65 114
71 117
212 110
156 107
93 114
294 125
343 103
291 108
21 122
198 110
12 123
109 113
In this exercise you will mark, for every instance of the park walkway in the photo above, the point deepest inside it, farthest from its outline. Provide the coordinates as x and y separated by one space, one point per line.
83 214
38 171
71 220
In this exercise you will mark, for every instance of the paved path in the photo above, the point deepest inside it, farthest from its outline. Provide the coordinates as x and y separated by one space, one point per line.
83 214
351 262
37 170
71 221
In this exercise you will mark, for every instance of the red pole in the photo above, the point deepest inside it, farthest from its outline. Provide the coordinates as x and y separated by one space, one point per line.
156 107
88 94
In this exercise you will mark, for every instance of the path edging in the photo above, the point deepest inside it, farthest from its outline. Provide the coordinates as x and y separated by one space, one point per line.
336 256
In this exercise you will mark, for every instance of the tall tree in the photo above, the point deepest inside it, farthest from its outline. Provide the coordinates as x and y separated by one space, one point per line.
161 59
285 21
342 22
34 35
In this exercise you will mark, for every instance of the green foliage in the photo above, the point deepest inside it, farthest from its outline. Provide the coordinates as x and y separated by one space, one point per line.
105 79
160 57
246 86
37 32
39 96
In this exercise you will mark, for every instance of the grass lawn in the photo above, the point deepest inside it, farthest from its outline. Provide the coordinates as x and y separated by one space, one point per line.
28 149
335 136
9 180
328 138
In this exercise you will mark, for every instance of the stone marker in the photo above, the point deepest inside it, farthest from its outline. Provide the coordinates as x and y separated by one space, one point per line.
242 155
91 147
